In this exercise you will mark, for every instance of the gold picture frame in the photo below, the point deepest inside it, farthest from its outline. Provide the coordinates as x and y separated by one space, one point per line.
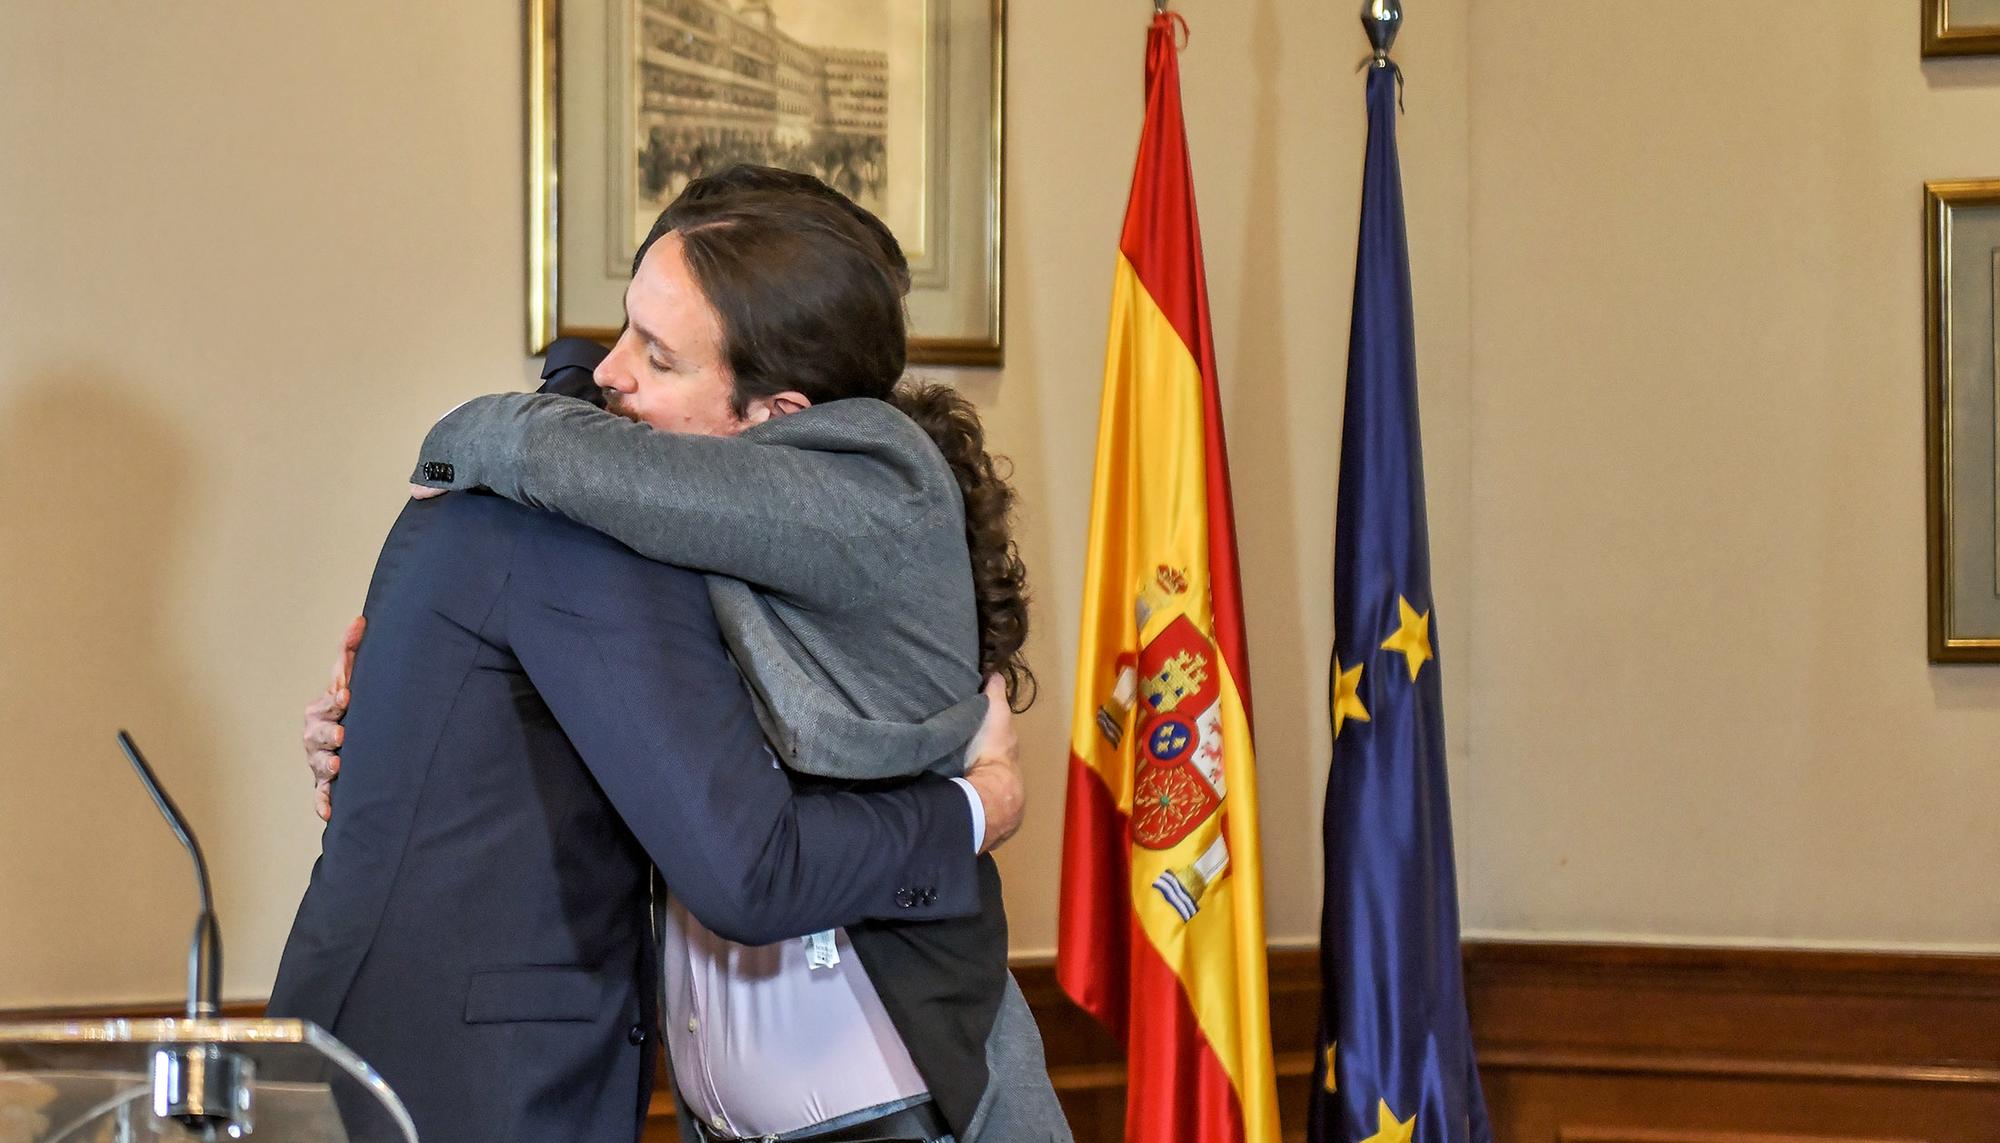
627 98
1949 33
1962 418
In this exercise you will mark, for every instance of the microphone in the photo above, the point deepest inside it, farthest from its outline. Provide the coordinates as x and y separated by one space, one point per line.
201 1084
204 965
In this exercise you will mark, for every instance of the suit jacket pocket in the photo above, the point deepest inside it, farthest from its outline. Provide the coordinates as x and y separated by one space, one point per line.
534 993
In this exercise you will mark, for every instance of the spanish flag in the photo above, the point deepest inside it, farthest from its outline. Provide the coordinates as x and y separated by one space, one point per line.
1162 928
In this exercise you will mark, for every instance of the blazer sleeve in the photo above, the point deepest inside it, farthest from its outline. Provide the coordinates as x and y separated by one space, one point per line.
814 524
635 672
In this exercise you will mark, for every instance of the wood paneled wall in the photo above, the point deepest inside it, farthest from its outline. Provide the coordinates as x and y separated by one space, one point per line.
1635 1044
1624 1044
1642 1044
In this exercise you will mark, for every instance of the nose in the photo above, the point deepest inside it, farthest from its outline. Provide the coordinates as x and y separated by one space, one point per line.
611 373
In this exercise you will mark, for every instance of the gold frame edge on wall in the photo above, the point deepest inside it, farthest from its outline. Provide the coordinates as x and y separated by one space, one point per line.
544 203
1942 39
543 226
1940 199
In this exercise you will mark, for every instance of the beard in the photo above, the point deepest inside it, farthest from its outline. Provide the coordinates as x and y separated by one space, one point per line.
615 404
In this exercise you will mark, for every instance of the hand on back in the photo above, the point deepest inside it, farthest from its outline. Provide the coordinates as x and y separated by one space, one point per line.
993 766
323 732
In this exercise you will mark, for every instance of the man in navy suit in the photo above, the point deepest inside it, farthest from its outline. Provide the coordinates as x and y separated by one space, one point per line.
537 715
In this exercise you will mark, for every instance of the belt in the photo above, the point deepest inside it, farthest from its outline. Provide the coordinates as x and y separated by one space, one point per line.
918 1123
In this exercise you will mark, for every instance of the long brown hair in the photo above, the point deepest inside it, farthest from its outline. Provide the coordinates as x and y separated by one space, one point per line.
999 578
799 285
808 287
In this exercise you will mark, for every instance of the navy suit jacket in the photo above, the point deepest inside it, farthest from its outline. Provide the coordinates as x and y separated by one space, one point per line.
538 716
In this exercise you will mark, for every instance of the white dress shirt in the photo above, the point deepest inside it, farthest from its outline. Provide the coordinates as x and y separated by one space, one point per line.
772 1039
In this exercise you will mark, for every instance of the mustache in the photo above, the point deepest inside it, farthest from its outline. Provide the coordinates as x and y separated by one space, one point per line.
615 403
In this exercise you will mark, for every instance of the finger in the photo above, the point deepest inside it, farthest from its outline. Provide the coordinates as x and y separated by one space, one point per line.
997 731
325 765
330 706
316 744
343 663
319 717
996 699
323 802
324 736
322 718
420 492
993 730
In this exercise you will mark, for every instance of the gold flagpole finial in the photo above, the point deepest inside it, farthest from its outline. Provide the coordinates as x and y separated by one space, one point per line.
1383 19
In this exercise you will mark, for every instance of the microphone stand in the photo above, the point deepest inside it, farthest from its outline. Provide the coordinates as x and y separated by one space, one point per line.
202 1086
205 950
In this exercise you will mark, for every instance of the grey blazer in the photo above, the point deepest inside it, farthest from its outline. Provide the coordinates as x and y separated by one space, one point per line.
835 542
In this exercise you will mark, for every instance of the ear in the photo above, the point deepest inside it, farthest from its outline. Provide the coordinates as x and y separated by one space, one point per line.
776 405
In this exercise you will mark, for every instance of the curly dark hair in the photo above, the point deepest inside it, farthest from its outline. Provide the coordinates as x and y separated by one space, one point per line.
999 578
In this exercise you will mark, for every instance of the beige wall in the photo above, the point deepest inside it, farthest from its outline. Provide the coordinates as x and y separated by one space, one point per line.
248 254
1700 703
246 251
1669 321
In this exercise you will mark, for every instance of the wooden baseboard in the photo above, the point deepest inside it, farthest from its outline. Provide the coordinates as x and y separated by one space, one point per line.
1593 1043
1637 1044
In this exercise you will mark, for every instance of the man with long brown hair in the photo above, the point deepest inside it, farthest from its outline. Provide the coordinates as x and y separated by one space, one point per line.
865 581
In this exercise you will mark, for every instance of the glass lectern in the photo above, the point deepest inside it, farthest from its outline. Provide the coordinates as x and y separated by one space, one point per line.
148 1081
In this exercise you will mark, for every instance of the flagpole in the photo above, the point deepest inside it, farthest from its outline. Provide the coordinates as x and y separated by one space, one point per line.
1395 1058
1382 18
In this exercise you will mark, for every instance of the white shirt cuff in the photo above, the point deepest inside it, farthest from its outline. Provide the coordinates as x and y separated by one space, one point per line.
978 814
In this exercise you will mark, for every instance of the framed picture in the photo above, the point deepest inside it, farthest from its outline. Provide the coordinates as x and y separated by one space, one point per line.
1961 27
1962 438
896 103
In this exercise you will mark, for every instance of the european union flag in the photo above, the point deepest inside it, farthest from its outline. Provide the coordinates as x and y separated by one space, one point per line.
1395 1049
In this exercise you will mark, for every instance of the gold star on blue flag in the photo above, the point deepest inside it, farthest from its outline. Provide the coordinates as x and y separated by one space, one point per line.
1412 639
1346 697
1389 1129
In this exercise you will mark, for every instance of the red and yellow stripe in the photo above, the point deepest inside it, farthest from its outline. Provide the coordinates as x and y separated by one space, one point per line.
1187 995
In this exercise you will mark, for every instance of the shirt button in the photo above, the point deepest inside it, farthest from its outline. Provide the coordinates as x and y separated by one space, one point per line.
718 1122
694 1025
